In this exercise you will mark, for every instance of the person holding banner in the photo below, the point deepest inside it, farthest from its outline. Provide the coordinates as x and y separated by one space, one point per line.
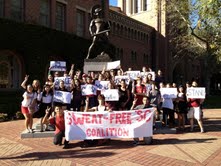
59 122
144 105
195 111
100 108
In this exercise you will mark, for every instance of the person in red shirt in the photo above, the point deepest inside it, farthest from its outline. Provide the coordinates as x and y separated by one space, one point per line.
139 90
58 121
195 111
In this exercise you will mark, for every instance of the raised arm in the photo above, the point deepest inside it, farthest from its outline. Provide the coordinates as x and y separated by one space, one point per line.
23 84
46 117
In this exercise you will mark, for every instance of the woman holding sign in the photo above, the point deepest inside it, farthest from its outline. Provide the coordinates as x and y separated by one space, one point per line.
124 96
195 111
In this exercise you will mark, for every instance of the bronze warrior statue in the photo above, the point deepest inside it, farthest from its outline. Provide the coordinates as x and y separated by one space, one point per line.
99 28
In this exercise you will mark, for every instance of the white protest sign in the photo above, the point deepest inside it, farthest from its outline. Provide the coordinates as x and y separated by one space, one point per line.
57 66
62 97
133 74
113 65
67 81
196 93
88 89
99 125
101 84
168 92
111 94
143 74
117 79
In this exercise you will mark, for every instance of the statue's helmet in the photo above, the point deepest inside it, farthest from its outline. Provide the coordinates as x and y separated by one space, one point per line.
97 11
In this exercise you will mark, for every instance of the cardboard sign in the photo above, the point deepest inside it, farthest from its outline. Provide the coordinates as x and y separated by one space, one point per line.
57 66
168 92
62 97
133 74
196 93
117 79
102 85
88 89
67 81
99 125
111 94
113 65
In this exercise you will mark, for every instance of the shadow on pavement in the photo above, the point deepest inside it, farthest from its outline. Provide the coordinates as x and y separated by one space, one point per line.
182 141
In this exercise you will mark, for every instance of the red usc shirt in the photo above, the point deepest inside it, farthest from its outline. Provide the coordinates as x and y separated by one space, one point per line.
58 121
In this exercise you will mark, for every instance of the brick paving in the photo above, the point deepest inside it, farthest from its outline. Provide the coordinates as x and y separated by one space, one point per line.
184 148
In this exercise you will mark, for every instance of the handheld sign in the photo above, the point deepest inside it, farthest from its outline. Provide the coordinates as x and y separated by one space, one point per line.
57 66
101 84
168 92
113 65
117 79
62 97
88 89
67 81
111 94
133 74
196 93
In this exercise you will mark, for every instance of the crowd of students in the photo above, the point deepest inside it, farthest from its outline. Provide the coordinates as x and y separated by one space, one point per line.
142 92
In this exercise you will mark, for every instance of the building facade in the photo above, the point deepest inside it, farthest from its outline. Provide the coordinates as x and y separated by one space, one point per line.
35 32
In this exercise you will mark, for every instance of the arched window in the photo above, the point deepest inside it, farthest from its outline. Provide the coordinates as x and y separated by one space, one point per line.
10 70
118 29
113 28
121 30
125 32
135 35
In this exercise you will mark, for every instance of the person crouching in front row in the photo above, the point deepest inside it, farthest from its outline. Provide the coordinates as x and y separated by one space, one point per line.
59 122
146 104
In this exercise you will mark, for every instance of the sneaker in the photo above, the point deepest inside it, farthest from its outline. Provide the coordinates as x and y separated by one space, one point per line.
65 146
28 131
32 130
202 130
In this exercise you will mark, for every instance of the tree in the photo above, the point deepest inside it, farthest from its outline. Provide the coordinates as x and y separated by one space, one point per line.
196 30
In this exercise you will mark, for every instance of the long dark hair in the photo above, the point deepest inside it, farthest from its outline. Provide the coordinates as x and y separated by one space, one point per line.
44 91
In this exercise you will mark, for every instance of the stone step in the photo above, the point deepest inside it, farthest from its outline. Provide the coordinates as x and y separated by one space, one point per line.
37 133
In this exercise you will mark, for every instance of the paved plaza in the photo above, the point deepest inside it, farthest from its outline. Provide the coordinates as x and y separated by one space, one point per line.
168 148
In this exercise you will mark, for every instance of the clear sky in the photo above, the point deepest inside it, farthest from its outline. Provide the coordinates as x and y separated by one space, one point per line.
113 2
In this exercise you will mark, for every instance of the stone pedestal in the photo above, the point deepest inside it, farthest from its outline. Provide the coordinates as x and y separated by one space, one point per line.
96 64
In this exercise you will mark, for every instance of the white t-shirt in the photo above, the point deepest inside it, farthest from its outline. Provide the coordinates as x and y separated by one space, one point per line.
45 99
167 103
28 98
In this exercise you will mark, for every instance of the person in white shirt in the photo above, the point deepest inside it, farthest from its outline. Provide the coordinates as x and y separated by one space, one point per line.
45 100
27 107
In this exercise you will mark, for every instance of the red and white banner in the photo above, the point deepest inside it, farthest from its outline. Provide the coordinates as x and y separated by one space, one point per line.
116 124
